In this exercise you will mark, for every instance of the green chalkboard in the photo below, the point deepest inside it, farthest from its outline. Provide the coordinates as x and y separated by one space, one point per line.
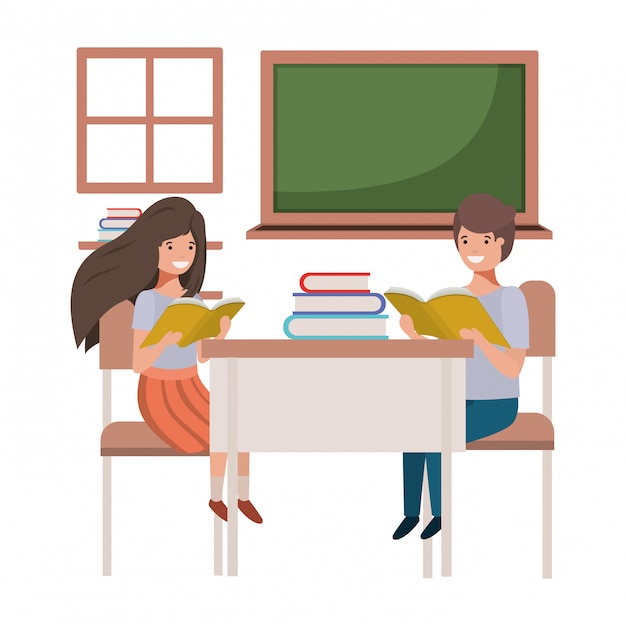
410 138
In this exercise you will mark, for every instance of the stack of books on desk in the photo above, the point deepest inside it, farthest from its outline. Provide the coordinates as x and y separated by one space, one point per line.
336 305
117 222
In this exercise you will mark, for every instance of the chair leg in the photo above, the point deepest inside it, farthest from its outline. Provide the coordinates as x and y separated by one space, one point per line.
106 516
218 543
547 513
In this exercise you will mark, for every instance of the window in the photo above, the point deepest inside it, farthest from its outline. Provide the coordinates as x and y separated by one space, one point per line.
149 120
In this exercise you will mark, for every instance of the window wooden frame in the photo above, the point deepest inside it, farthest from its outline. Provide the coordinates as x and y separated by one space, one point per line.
149 120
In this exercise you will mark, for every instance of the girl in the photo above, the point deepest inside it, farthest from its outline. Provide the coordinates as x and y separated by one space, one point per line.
161 257
484 230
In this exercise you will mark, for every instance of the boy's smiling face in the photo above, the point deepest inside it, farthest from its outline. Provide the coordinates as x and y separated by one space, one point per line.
481 252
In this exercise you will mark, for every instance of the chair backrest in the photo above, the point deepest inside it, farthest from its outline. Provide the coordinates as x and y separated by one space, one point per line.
540 299
116 337
532 431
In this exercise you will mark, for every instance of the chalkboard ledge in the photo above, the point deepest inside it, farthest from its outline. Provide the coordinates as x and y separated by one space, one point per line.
376 232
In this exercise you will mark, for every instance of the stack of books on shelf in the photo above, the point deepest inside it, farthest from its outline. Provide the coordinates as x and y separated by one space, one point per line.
336 305
117 222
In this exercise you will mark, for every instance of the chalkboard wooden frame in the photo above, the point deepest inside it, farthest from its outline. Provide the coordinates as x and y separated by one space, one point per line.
389 224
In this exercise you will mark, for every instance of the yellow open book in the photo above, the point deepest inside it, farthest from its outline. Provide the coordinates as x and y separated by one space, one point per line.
445 313
193 318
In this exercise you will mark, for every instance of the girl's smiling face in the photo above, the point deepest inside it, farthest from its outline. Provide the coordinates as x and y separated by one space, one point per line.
177 254
481 252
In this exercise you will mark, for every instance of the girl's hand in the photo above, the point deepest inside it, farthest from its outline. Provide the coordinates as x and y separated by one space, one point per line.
406 324
224 326
170 338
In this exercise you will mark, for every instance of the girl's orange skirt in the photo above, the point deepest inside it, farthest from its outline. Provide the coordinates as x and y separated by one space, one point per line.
175 405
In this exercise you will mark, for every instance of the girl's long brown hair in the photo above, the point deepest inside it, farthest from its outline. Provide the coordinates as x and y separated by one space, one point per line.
124 267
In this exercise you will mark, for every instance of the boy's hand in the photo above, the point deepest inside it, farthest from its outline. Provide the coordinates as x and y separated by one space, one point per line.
475 335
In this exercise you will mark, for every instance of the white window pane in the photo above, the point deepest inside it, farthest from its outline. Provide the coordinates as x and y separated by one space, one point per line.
183 87
116 87
183 153
116 153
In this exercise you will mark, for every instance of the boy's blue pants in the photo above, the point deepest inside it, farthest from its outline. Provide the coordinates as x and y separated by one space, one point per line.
482 418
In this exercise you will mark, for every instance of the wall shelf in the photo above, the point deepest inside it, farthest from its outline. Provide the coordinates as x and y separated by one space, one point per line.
210 245
93 245
211 295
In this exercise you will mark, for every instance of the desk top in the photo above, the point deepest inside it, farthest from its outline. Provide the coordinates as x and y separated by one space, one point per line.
336 348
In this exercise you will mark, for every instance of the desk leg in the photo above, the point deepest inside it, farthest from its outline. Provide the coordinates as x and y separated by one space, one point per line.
446 467
232 464
427 544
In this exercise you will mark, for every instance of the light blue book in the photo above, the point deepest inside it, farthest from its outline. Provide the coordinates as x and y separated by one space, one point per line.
336 326
108 234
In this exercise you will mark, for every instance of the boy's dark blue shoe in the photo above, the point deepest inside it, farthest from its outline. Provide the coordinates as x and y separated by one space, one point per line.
434 526
406 526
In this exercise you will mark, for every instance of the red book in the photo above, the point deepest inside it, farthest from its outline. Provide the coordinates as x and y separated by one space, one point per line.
333 282
115 212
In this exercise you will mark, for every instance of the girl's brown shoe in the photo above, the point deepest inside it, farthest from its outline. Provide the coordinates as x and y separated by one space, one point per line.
247 508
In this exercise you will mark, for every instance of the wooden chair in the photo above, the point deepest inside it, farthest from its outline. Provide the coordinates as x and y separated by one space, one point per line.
120 438
534 431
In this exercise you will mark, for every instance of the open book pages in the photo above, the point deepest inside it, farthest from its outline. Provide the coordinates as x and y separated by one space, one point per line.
463 291
197 302
193 318
445 313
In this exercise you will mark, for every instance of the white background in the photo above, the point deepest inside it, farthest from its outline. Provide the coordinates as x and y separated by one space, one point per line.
324 554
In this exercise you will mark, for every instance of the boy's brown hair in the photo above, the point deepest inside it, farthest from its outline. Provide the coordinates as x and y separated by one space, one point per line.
482 213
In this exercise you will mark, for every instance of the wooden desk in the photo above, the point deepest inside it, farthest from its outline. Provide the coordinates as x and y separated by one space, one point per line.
336 396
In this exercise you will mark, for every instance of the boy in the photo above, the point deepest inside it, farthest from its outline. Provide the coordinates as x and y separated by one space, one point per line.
484 231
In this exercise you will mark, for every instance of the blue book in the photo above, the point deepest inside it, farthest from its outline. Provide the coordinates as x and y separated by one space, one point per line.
117 222
339 302
336 326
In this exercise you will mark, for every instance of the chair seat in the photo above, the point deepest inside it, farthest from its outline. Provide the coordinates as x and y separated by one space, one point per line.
529 431
136 439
